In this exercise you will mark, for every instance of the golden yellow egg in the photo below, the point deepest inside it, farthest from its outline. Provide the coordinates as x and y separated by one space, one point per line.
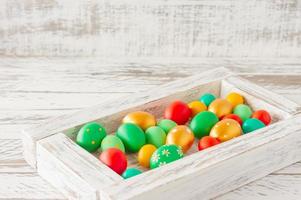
142 119
226 129
220 107
181 136
235 99
197 107
145 154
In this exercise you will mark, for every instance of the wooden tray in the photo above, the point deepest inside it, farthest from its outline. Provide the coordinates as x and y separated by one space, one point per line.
50 148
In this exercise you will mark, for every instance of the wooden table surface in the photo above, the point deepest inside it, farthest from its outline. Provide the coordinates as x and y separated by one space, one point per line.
52 62
35 89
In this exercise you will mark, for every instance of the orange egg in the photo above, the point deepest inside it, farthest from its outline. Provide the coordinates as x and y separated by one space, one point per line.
220 107
145 153
197 107
142 119
235 99
225 130
181 136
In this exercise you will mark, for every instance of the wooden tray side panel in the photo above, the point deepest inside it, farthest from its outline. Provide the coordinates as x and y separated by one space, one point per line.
226 166
71 169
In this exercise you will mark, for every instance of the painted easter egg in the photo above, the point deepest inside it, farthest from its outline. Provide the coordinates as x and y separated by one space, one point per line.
166 125
115 159
130 172
263 116
90 136
252 124
206 142
202 123
178 112
142 119
181 136
235 99
220 107
207 98
112 141
243 111
235 117
197 107
164 155
155 135
145 154
132 136
225 130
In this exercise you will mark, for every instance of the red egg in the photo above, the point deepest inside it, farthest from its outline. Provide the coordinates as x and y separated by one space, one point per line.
178 112
115 159
263 116
234 117
206 142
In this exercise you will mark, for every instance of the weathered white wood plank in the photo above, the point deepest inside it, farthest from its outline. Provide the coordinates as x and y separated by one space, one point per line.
135 28
11 157
27 187
268 188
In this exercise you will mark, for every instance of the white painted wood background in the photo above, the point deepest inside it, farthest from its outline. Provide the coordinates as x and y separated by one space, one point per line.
58 56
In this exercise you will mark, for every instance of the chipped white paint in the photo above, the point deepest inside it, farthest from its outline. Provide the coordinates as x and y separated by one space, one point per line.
133 28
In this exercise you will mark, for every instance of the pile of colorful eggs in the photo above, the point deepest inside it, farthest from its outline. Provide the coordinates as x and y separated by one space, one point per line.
209 120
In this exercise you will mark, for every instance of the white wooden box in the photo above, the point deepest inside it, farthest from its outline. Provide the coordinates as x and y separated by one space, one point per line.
201 175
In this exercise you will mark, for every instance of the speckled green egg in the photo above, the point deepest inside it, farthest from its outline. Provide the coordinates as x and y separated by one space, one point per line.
165 154
90 136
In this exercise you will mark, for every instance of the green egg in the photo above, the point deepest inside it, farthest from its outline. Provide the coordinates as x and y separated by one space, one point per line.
207 98
90 136
166 125
164 155
112 141
243 111
130 172
155 136
132 136
202 123
252 124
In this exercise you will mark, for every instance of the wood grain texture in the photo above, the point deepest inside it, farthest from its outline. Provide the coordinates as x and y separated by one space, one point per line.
27 187
151 28
270 187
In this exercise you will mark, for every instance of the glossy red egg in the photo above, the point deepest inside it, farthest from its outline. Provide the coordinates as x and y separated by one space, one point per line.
178 112
234 117
206 142
115 159
263 116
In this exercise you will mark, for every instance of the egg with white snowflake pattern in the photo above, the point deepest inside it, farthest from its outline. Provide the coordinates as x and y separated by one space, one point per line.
165 154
